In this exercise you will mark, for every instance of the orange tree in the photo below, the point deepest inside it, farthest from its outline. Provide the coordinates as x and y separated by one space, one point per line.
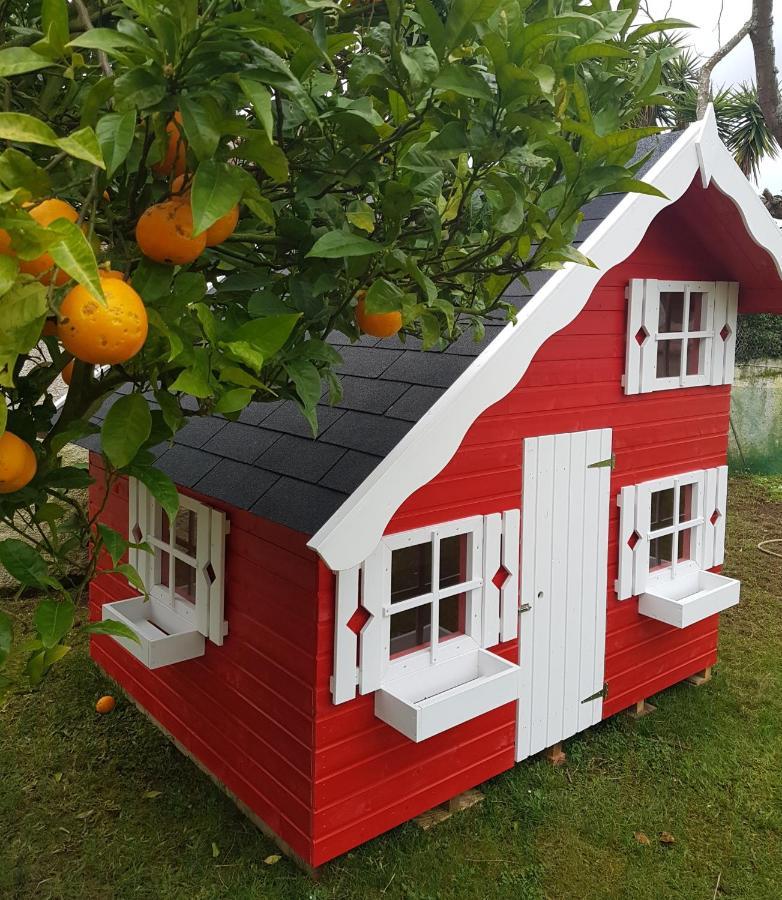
194 195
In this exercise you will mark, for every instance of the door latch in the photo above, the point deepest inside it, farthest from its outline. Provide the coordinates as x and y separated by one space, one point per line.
525 607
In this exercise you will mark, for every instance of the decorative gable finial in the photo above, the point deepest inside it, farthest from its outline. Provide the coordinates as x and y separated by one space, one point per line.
708 133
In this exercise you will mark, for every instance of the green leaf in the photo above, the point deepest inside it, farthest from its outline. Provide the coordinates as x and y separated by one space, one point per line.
234 400
9 269
6 637
115 629
273 70
193 382
636 186
126 427
74 255
53 620
267 335
463 80
383 297
54 19
652 27
18 170
132 576
113 541
55 654
106 39
25 564
18 60
433 25
115 133
596 50
339 244
3 416
24 129
307 380
160 486
139 88
261 101
68 477
201 122
217 188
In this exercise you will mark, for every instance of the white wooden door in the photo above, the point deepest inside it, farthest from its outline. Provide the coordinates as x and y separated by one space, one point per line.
564 559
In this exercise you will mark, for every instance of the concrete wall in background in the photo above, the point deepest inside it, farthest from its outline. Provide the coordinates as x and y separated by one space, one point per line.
756 418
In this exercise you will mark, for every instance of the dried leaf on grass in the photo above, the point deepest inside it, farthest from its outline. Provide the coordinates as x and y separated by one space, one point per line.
641 838
273 859
667 838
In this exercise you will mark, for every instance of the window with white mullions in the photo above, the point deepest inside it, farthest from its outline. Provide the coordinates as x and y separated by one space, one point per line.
175 567
680 334
673 527
434 588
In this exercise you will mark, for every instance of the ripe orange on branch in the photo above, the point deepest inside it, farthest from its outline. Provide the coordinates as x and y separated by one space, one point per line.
18 464
176 151
42 266
103 335
164 233
67 372
379 325
218 231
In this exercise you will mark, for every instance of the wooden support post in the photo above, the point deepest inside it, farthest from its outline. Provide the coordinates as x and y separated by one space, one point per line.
555 755
440 813
700 678
641 709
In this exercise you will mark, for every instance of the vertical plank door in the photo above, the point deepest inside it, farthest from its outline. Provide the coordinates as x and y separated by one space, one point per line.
564 560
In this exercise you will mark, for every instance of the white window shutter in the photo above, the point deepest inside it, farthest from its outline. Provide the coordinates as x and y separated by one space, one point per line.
203 550
635 306
218 529
492 560
509 593
627 501
373 649
714 512
726 305
345 678
143 519
650 322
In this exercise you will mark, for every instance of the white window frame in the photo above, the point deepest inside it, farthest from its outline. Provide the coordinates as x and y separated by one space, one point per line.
718 338
206 615
635 534
362 658
438 649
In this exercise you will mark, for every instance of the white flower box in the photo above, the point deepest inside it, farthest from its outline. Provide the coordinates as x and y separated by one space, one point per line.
164 637
684 601
428 702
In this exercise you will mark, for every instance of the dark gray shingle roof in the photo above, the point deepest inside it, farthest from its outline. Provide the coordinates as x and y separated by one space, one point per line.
269 463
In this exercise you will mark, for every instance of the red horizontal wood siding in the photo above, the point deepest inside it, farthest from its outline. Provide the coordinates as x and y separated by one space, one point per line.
245 710
368 777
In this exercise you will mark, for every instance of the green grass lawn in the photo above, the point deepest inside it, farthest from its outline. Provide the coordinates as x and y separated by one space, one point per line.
104 807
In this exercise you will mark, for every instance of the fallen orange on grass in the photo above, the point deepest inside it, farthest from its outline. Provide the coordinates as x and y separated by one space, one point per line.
105 704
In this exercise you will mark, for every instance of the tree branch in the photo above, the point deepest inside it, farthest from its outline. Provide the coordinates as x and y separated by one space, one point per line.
84 17
765 68
704 77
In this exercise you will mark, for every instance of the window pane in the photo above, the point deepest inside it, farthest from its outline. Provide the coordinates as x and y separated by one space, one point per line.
411 572
669 359
660 552
697 317
696 354
161 525
671 311
686 502
184 581
185 531
686 544
452 612
453 560
411 629
662 509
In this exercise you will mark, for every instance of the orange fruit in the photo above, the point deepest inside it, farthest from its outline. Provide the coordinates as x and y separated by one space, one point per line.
18 464
105 704
5 243
49 328
379 325
164 233
223 228
106 196
100 334
44 214
112 273
176 151
67 372
181 184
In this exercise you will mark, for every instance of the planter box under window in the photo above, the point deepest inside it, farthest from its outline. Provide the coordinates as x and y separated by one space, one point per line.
165 637
684 602
428 702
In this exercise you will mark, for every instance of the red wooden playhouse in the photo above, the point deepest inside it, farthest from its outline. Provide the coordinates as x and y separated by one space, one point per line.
485 551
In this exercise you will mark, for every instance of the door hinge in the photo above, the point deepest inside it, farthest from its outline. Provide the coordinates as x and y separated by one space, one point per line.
603 692
609 463
525 607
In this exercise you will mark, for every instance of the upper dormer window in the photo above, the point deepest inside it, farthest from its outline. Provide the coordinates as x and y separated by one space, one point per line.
680 334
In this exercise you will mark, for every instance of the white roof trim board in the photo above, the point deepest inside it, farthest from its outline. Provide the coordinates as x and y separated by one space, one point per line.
355 529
